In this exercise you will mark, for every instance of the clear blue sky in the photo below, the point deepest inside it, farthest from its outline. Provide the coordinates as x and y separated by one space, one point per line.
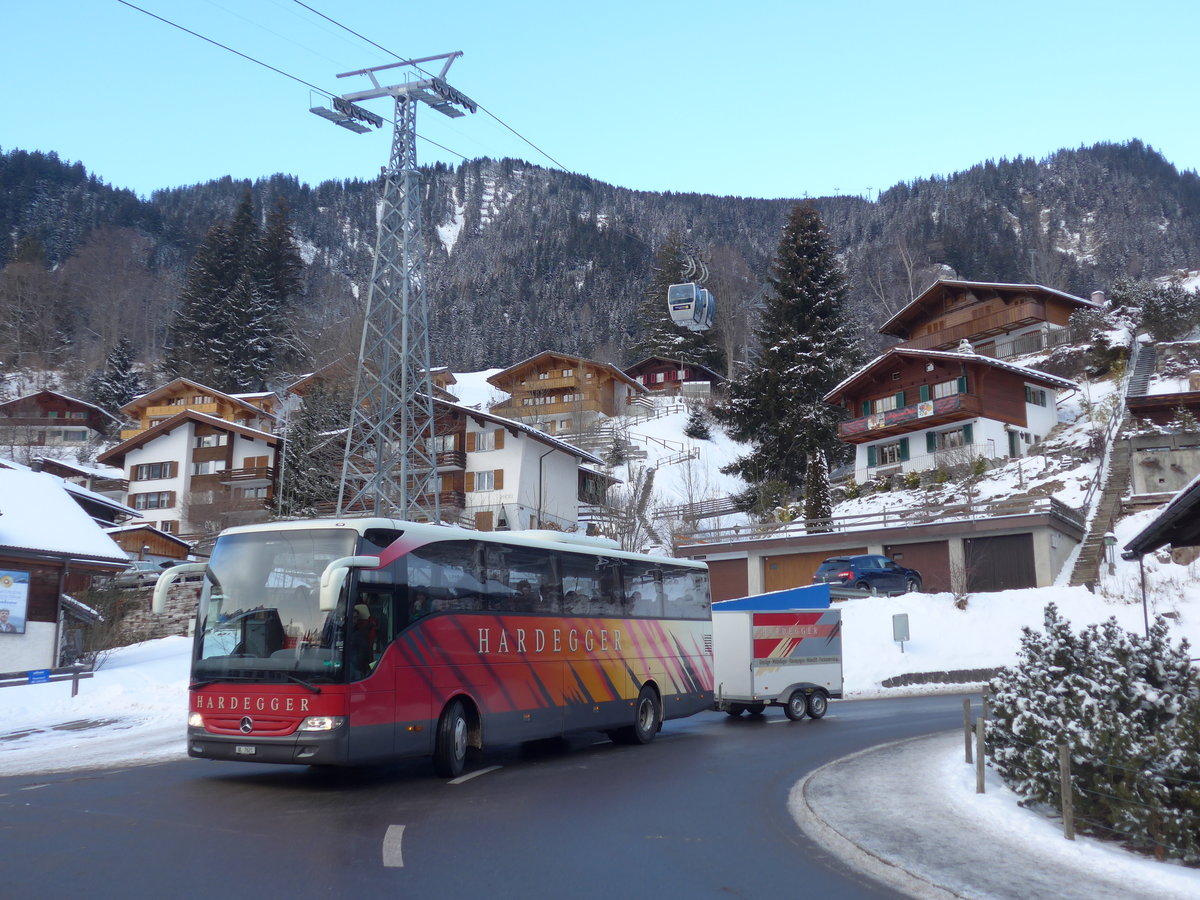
762 99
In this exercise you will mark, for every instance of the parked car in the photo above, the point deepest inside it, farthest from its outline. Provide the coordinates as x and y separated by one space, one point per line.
139 573
869 573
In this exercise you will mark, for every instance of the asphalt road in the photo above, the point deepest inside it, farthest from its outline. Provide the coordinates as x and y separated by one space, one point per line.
700 812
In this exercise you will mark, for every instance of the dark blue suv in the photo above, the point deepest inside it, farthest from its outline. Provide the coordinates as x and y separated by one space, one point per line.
869 573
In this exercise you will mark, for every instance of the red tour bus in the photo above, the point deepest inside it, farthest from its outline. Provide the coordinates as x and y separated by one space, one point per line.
339 642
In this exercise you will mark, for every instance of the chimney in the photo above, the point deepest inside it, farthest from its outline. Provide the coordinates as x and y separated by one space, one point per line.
1098 298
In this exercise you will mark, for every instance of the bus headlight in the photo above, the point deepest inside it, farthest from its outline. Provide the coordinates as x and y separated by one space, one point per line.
195 720
322 723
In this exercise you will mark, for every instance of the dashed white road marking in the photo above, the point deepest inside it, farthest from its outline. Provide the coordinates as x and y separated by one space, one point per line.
393 854
461 778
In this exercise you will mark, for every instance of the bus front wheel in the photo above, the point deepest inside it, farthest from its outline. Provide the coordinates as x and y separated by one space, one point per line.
647 719
450 749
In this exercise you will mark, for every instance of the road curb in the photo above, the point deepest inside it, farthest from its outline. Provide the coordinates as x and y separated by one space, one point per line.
847 850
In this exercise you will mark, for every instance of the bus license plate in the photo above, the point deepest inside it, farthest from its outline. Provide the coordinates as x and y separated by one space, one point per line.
243 750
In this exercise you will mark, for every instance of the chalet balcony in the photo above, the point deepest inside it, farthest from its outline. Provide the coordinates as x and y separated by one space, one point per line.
163 412
1017 316
254 476
56 422
517 410
927 414
451 460
549 384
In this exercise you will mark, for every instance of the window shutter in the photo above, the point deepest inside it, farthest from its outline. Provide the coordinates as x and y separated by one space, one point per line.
924 392
470 444
962 384
968 432
499 438
498 484
872 455
899 399
470 479
903 449
866 407
931 442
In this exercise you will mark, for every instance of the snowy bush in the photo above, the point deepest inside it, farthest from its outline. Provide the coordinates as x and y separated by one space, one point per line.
1128 707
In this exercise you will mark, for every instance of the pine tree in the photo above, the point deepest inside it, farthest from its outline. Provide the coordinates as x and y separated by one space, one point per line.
118 382
806 345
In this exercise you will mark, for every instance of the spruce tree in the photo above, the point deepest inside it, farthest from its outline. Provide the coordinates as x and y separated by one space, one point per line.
806 345
118 382
697 427
818 501
231 327
312 451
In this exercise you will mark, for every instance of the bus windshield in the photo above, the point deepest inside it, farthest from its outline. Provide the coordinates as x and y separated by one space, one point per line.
259 615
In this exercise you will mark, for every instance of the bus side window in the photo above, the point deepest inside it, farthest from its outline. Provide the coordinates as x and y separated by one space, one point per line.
642 586
685 593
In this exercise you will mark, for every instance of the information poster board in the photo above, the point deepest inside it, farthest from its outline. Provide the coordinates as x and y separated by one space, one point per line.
14 601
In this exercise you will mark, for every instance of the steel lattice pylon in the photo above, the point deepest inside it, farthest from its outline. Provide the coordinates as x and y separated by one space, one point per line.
389 467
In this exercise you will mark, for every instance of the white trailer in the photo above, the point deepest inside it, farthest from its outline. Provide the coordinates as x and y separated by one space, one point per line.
777 657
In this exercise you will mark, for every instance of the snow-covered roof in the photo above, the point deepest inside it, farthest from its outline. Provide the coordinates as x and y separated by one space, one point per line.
1177 524
949 356
37 515
66 397
514 425
943 283
79 468
147 399
119 451
497 379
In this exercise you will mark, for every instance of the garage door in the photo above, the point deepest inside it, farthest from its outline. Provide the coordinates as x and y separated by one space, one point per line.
1000 563
728 578
789 570
930 558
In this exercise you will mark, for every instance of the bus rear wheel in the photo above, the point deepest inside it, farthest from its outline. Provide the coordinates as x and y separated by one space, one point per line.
450 748
647 719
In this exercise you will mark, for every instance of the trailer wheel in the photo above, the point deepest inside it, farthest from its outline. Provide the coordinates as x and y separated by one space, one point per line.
735 710
450 749
755 709
796 706
818 704
647 719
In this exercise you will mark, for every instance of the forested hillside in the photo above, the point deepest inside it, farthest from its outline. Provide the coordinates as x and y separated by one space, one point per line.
524 259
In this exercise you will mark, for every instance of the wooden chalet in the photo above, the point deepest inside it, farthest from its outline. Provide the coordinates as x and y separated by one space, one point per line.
1000 320
563 394
256 411
50 419
911 410
662 375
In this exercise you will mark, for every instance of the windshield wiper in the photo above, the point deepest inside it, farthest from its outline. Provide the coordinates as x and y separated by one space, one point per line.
308 684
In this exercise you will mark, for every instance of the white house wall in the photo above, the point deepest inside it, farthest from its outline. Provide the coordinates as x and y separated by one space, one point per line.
172 447
557 483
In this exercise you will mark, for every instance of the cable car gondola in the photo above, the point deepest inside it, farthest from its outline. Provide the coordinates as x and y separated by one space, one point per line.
690 306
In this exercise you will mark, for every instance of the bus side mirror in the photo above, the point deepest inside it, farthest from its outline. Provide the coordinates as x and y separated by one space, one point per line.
335 574
169 576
